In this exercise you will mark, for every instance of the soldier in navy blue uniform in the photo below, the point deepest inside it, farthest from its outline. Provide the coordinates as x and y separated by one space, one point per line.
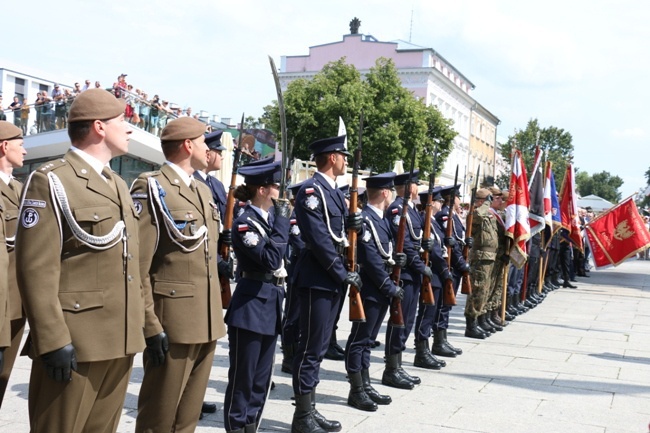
459 265
376 260
290 327
411 279
219 197
441 272
321 276
254 317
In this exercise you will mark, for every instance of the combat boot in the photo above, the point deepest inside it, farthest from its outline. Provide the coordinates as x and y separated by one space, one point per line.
456 350
324 423
357 396
472 330
516 299
484 325
372 392
250 428
239 430
423 357
288 353
413 379
439 347
495 317
489 321
333 352
392 376
303 418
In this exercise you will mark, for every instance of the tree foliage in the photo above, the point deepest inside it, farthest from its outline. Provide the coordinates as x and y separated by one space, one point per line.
394 119
555 141
602 184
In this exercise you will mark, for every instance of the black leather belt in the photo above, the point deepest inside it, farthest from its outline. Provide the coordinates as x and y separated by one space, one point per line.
263 277
340 248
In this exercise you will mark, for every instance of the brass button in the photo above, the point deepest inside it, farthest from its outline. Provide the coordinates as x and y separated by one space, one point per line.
96 217
130 278
130 256
77 306
173 292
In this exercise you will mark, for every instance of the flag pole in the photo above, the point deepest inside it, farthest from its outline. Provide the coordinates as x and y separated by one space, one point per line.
504 291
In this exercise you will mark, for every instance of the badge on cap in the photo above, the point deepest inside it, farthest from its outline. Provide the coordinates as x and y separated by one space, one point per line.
251 239
312 202
30 218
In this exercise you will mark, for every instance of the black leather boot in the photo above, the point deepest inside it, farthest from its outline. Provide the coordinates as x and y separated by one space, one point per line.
567 285
519 304
357 396
484 326
423 357
288 353
495 317
333 352
472 330
303 419
413 379
250 428
392 376
324 423
372 392
492 323
439 347
456 350
239 430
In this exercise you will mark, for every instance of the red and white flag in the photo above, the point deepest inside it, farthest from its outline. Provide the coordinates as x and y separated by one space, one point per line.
536 193
517 223
569 208
617 234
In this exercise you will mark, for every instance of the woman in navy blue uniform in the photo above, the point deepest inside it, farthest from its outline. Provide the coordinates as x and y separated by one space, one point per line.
259 239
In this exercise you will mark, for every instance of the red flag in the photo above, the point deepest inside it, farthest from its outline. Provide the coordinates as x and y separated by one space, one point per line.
617 234
517 224
569 208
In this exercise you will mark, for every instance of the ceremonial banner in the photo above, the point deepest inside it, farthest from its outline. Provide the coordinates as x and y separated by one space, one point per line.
536 188
617 234
517 224
552 218
569 208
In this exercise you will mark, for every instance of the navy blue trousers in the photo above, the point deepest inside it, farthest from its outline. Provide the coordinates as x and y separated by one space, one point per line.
426 317
363 335
396 337
441 315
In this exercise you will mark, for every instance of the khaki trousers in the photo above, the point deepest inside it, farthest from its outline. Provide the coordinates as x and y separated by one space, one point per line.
17 330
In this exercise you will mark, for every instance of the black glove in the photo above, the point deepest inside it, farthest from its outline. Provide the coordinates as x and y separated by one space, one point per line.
427 272
464 268
399 294
353 279
157 348
400 259
450 242
226 237
226 268
354 221
505 258
282 207
427 244
469 242
60 363
447 275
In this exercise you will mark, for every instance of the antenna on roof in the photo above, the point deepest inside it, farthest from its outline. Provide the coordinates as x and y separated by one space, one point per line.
411 29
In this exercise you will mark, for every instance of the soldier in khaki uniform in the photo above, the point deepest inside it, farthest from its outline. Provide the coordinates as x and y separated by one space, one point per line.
12 154
78 275
481 258
179 229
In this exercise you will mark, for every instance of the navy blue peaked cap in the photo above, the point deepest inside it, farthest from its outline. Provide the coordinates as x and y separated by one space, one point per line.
446 190
401 179
213 140
436 194
295 188
261 174
382 180
328 145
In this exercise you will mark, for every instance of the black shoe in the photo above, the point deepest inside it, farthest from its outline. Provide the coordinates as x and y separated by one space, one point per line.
568 285
573 280
495 318
413 379
509 316
484 325
372 392
392 376
456 350
492 323
439 347
424 358
472 330
208 408
338 348
528 304
357 397
333 354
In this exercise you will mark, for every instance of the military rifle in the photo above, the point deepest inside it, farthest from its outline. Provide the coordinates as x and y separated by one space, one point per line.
396 317
224 250
426 291
283 127
357 314
448 296
466 287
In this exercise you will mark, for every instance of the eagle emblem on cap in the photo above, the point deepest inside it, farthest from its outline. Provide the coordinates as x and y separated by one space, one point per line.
312 202
251 239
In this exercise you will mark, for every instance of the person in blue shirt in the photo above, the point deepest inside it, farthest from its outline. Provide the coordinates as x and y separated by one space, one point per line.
260 236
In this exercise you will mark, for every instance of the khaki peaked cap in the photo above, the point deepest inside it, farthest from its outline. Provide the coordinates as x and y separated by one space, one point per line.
9 131
495 190
95 104
482 193
182 129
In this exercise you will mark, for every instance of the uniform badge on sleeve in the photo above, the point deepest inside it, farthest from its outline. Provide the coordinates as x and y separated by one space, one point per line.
366 236
138 206
251 239
396 219
30 218
312 202
295 230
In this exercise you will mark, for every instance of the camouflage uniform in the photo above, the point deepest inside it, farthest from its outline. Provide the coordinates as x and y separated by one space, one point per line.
496 292
482 257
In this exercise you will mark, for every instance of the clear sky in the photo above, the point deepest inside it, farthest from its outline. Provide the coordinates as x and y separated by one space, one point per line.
577 65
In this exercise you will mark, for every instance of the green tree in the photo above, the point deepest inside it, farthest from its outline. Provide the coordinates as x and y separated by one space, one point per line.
602 184
394 119
556 142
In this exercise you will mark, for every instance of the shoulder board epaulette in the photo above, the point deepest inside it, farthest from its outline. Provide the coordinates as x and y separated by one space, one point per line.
53 165
242 227
149 174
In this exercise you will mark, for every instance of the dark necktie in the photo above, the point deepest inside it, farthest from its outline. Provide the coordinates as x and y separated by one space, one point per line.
110 180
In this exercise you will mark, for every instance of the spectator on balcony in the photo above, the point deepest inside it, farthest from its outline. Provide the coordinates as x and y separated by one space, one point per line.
97 85
69 97
188 112
15 107
38 107
46 112
145 109
59 107
119 86
24 116
86 86
77 89
164 115
154 114
128 95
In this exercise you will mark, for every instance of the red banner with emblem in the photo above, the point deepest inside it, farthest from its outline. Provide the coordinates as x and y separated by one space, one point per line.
569 208
618 234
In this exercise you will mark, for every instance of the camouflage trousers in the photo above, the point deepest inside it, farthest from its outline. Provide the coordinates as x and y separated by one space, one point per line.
496 292
481 275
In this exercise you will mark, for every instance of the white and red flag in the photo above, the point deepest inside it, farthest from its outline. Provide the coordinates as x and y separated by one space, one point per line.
536 193
617 234
569 208
552 216
517 223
